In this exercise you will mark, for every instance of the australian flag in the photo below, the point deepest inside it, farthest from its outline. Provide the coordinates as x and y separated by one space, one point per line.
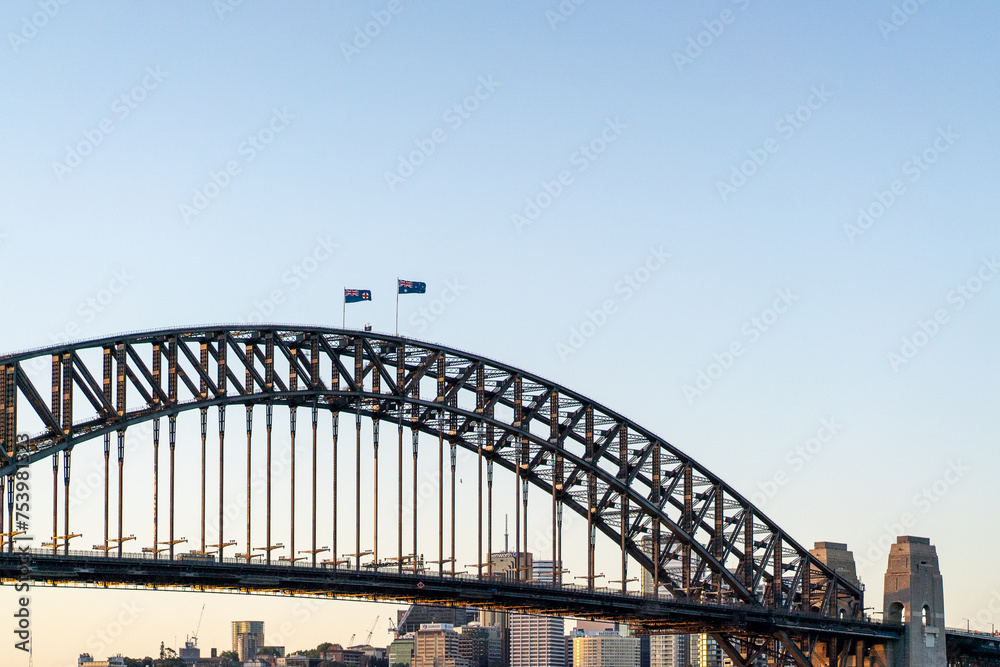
355 295
411 287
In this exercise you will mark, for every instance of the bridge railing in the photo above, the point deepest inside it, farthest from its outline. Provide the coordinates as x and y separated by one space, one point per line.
973 633
210 560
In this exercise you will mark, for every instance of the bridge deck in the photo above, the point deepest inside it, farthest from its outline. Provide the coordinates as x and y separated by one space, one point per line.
235 575
974 644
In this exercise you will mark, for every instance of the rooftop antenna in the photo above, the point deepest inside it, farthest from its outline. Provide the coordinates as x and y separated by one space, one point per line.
506 541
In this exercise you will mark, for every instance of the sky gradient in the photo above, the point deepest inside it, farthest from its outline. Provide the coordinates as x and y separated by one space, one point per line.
610 197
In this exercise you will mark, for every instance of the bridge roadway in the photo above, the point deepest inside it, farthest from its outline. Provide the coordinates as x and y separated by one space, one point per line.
982 645
646 613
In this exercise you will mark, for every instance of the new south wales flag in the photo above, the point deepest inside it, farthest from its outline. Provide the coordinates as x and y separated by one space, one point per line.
355 295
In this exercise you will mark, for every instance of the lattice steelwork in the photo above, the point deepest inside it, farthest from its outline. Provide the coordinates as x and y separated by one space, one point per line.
644 495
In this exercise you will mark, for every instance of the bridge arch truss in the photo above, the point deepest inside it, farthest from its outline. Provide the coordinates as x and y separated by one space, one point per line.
692 536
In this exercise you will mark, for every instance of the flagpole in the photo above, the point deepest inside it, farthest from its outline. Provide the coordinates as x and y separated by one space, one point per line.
343 321
397 305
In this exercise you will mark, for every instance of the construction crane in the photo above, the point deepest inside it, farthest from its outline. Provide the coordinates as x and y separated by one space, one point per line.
194 636
351 643
371 630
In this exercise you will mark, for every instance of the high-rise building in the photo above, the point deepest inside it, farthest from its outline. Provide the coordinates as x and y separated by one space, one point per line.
605 649
437 645
508 565
544 572
410 619
706 652
537 641
401 650
709 652
481 646
673 569
584 626
248 636
511 564
670 651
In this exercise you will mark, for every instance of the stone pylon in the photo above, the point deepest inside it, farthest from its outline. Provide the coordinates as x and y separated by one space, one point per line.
837 557
914 595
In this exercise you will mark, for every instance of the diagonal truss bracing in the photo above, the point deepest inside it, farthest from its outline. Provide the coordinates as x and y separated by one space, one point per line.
692 534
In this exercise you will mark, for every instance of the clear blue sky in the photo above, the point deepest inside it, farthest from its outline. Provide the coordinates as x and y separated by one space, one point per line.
250 140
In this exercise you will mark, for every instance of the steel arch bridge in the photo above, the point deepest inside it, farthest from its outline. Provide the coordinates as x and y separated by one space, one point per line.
709 560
